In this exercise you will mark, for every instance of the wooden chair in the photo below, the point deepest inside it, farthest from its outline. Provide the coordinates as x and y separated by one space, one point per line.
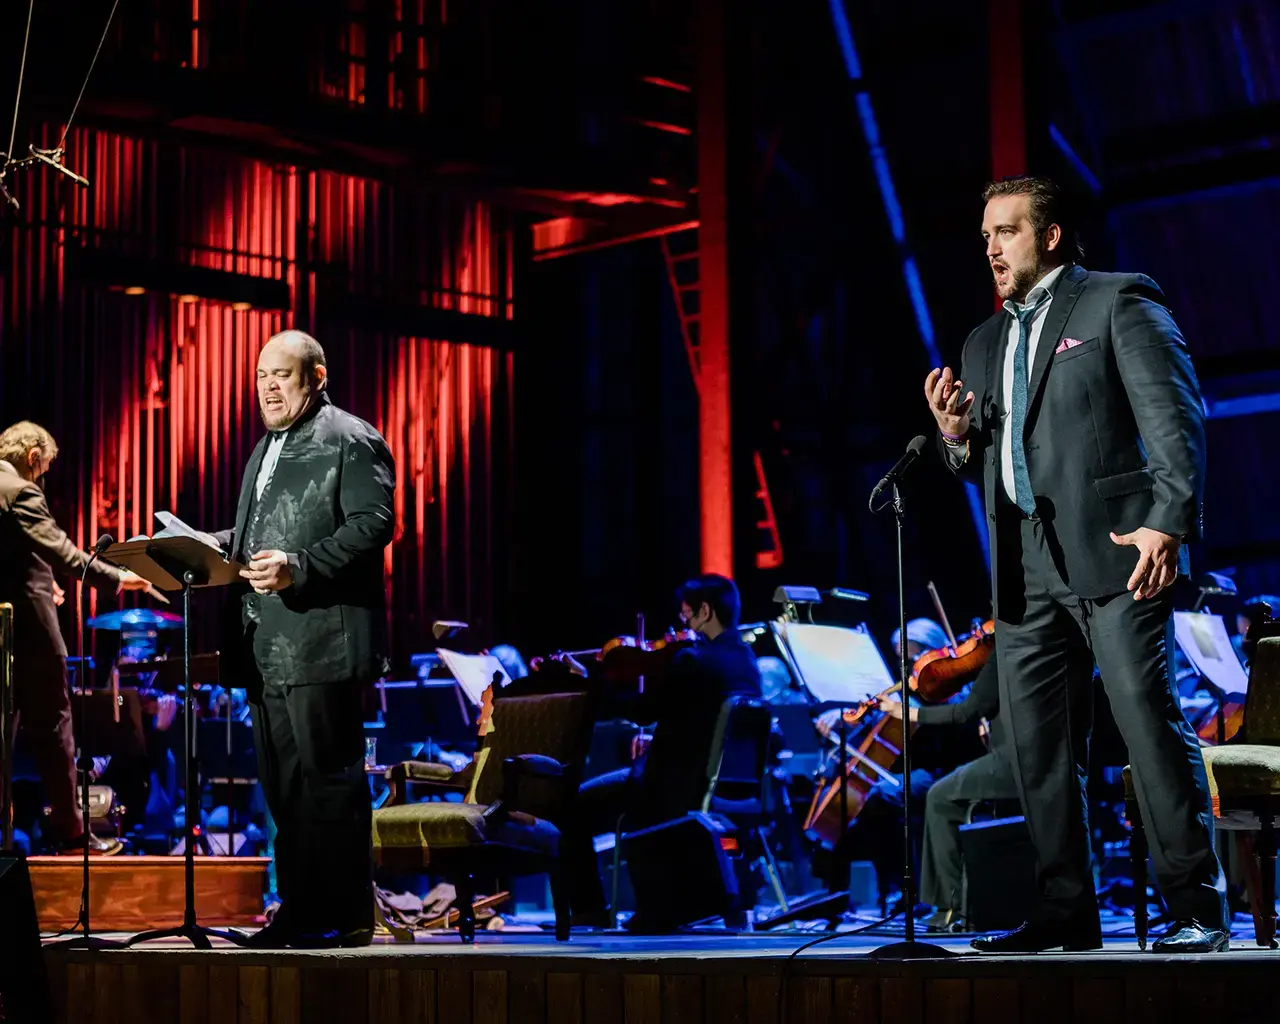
520 787
1244 784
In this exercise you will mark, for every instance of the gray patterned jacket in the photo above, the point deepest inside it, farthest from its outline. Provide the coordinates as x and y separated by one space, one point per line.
329 506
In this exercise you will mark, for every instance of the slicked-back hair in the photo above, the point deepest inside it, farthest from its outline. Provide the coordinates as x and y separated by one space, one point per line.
1047 204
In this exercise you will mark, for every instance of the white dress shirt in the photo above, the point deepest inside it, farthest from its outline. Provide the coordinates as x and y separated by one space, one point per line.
1043 288
269 459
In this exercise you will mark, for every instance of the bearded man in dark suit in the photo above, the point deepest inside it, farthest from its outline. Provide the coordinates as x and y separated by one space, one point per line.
1078 409
314 517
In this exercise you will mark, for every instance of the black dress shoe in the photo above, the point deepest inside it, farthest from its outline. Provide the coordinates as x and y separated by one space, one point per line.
1036 938
98 847
278 934
1190 936
944 921
333 938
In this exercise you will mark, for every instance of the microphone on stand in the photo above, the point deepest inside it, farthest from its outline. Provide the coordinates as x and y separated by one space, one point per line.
100 548
900 467
845 594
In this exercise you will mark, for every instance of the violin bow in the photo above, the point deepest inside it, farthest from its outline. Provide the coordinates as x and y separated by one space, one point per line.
942 614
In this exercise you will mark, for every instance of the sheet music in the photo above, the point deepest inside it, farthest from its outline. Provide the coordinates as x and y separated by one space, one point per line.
172 526
1204 640
474 672
835 663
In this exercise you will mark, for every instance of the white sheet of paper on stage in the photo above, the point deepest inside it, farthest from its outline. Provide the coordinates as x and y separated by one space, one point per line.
1204 640
474 672
837 665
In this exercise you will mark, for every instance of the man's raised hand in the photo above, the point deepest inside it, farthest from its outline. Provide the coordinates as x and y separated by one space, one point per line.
943 393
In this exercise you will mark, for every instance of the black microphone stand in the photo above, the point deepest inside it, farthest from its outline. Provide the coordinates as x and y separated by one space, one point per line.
190 930
909 948
84 764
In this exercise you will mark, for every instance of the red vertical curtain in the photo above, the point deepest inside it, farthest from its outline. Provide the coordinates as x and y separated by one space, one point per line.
150 395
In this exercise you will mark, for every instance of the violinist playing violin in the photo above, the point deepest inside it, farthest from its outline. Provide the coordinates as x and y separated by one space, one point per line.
669 779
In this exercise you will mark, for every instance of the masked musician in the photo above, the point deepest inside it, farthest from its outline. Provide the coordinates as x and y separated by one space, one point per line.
668 780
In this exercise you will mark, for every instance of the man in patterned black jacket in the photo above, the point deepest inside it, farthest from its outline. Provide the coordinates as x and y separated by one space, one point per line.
314 517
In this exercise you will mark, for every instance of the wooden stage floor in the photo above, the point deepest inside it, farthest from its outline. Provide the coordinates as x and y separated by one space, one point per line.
594 979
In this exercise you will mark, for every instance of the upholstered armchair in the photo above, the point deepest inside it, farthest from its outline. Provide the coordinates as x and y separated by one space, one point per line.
519 790
1244 784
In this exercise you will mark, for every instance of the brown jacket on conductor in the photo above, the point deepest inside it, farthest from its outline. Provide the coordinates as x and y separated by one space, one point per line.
32 546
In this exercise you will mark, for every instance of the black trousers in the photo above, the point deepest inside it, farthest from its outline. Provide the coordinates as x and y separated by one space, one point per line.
1047 641
601 802
310 745
946 808
43 705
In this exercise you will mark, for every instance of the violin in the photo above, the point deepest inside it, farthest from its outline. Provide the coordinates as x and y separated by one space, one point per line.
633 659
626 660
875 744
940 674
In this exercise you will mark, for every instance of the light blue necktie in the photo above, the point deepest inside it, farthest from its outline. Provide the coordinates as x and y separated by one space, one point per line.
1018 413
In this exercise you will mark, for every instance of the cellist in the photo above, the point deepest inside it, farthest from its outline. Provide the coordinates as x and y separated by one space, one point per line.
876 833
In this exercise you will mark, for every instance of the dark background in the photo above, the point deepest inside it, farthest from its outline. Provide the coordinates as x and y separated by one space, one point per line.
394 179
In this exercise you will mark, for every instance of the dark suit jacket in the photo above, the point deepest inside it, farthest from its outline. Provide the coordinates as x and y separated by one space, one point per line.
685 707
329 507
32 545
1114 435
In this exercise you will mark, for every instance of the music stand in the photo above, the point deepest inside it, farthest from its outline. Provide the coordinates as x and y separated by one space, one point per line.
182 563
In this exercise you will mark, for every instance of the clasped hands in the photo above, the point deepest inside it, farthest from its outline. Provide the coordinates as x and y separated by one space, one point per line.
268 571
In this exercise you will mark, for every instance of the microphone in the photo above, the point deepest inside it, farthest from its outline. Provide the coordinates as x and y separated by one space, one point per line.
901 466
104 542
844 594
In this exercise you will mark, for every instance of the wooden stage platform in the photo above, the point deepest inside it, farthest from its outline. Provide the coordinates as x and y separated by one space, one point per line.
593 979
136 893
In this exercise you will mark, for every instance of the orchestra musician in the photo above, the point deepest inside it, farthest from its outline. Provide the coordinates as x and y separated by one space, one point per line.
950 799
669 779
1078 408
315 513
876 833
34 546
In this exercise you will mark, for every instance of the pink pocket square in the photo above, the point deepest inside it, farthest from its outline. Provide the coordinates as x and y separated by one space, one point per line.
1067 343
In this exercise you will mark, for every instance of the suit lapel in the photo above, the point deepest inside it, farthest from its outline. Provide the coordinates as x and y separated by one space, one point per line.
246 494
1070 285
997 330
